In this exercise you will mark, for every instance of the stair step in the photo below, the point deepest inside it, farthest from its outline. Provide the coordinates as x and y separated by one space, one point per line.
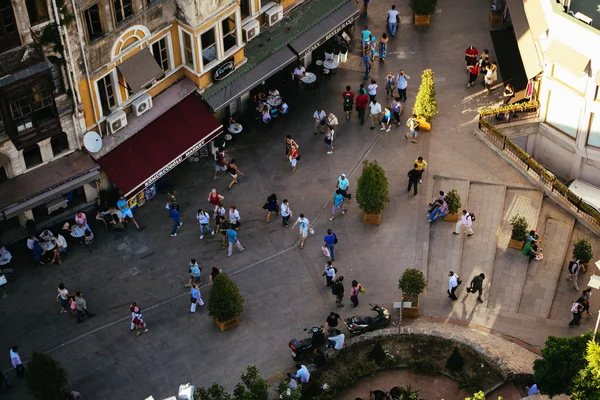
510 265
554 227
444 248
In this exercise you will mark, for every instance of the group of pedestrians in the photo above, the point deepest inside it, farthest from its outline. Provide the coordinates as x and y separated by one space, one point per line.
476 285
579 306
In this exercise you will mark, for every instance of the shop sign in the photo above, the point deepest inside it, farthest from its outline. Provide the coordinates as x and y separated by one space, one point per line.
161 172
224 70
330 35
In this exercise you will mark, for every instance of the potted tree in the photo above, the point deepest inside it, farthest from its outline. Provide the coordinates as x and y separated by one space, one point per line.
372 194
454 204
46 379
519 232
583 251
412 283
225 303
425 107
422 10
344 53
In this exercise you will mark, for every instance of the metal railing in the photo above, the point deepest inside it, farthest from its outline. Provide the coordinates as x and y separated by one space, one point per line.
510 113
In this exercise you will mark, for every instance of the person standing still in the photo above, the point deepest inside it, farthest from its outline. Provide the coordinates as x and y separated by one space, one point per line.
343 184
421 166
286 212
319 117
393 18
337 289
330 241
329 273
390 85
362 101
331 323
348 101
465 220
233 240
304 227
329 138
413 178
375 109
452 285
175 216
372 89
402 82
356 289
477 286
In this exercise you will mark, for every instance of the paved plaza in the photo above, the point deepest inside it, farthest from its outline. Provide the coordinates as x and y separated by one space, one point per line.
282 284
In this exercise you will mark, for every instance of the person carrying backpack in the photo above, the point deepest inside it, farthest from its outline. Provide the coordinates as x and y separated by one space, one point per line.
330 241
338 291
348 97
573 268
466 221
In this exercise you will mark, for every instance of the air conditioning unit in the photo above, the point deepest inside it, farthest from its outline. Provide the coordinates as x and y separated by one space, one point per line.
250 30
274 15
116 121
142 104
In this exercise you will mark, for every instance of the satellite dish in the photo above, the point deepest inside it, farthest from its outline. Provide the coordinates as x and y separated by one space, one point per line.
92 142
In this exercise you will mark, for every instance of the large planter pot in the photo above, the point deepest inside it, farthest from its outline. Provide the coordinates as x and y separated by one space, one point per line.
496 19
411 312
224 325
515 244
453 217
372 219
421 20
344 56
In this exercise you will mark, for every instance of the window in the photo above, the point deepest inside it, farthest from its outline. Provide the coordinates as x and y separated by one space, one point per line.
3 176
229 33
123 10
59 143
9 36
93 22
32 156
265 2
106 93
37 10
160 51
567 77
188 49
32 107
246 8
57 77
564 110
594 136
209 46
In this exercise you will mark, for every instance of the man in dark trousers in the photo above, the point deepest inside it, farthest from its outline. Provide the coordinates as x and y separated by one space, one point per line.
413 178
477 286
331 322
338 291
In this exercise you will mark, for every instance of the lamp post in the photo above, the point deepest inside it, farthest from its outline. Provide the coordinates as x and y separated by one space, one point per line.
595 283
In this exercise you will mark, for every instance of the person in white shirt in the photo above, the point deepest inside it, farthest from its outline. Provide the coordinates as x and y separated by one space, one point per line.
299 73
332 121
304 227
329 273
17 364
266 114
402 82
372 89
5 255
337 342
329 139
452 285
203 219
234 218
393 20
301 374
283 108
467 221
60 244
286 212
30 241
375 108
319 117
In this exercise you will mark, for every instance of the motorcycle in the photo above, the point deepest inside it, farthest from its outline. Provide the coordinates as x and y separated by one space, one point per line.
359 325
306 347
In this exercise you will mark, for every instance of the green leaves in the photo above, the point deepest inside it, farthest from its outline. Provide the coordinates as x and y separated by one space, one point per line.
582 250
587 382
425 102
423 7
412 283
519 227
372 192
46 378
453 201
225 301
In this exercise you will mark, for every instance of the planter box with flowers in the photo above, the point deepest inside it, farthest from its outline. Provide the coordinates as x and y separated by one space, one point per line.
412 283
422 10
519 231
583 251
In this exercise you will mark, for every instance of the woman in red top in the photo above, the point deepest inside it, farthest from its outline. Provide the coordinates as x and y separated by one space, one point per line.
362 101
293 157
473 74
215 199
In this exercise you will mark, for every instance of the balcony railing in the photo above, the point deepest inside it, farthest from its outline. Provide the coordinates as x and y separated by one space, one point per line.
510 113
532 168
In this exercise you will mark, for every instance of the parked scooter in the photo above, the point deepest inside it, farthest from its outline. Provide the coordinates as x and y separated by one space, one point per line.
359 325
306 347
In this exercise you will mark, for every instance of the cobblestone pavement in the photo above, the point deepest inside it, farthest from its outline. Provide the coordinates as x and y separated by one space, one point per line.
282 284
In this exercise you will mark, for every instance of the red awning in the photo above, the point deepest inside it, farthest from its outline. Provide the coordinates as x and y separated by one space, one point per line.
156 149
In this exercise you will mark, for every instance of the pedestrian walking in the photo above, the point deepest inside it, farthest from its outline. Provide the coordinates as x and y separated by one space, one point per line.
329 273
383 47
362 101
138 322
577 309
396 110
132 307
375 109
393 20
233 240
332 121
220 163
123 207
390 85
356 289
331 323
175 216
213 273
330 241
233 171
477 286
348 101
223 227
219 214
329 138
215 199
473 71
289 144
63 295
421 166
337 289
294 156
286 212
367 62
234 218
402 82
372 89
195 298
320 119
172 200
16 362
203 219
272 206
343 184
585 299
365 37
194 271
471 55
413 179
386 120
365 4
82 307
466 221
304 228
338 200
453 282
414 127
373 47
573 272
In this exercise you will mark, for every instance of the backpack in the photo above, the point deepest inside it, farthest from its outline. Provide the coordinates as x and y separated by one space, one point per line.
348 101
572 267
575 307
335 240
472 216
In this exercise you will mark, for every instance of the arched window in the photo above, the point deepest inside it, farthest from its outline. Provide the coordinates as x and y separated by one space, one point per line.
57 75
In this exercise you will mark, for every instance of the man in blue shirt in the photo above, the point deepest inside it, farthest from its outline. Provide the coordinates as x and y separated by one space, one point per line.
365 36
301 374
126 211
367 62
338 199
342 184
232 237
175 217
330 240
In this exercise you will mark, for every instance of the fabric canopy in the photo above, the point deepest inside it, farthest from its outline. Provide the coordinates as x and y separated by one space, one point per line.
140 69
525 42
567 57
536 17
159 147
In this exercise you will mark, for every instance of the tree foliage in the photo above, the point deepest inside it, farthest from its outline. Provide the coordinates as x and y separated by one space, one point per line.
583 250
425 102
453 201
214 392
519 227
225 301
412 282
372 192
252 386
586 385
46 378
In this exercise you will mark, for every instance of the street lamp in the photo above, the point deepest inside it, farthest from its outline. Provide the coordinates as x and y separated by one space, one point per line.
595 283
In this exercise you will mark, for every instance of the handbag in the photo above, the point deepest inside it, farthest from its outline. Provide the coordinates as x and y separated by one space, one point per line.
193 300
266 206
361 289
326 253
327 141
312 231
458 281
335 239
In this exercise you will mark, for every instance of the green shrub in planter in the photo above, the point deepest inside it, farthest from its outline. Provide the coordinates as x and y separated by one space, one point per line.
453 201
423 7
46 378
253 386
214 392
425 102
412 283
225 301
582 250
519 228
372 190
